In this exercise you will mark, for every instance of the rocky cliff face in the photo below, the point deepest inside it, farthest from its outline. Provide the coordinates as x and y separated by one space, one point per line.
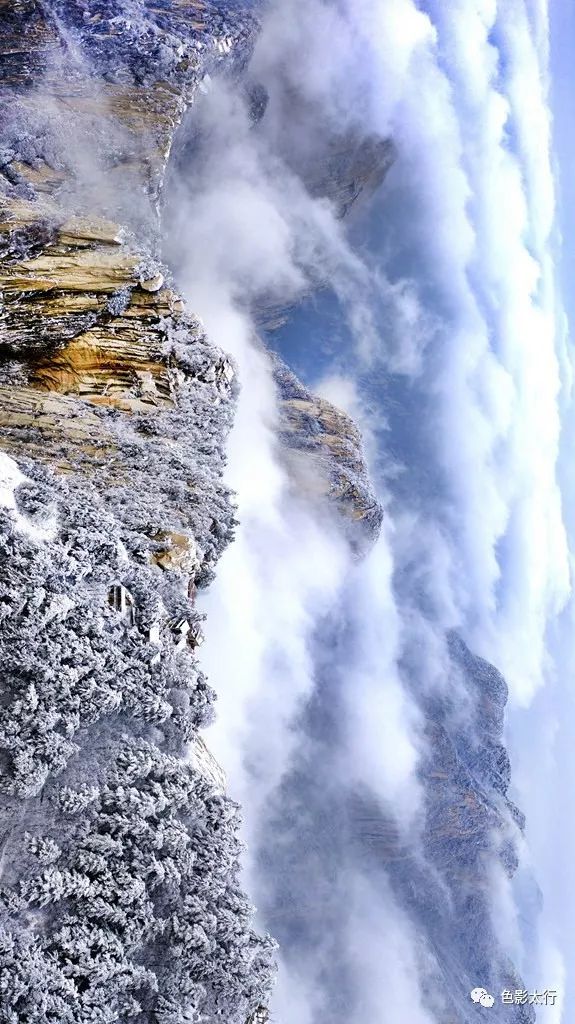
344 165
322 450
441 876
119 893
470 825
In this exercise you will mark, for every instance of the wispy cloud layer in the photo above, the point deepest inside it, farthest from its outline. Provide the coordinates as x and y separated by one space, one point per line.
451 319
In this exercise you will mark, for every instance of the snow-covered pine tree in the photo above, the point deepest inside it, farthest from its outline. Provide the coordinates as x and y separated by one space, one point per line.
120 861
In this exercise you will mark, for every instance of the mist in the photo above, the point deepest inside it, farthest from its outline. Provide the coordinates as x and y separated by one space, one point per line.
449 355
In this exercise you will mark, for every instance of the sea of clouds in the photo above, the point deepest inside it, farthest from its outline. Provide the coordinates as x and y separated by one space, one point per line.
452 306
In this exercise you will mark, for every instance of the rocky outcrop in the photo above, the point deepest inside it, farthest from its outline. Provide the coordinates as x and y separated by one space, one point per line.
95 344
323 453
335 160
352 169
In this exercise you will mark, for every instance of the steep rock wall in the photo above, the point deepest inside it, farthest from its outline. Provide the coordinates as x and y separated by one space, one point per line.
323 453
119 895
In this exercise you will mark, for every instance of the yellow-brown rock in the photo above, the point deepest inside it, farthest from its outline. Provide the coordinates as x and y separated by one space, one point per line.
104 269
176 551
86 310
323 452
114 412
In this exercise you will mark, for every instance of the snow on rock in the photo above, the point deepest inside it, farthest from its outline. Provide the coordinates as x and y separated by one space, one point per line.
10 479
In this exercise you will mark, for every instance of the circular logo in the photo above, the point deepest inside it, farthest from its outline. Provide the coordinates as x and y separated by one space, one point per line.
482 996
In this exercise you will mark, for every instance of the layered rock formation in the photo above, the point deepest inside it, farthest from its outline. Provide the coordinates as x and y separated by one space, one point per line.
119 893
323 453
119 896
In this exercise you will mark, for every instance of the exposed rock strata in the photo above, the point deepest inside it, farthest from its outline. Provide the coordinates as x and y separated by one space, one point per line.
323 451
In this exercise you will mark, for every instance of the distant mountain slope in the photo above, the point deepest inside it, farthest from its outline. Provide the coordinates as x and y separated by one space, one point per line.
326 836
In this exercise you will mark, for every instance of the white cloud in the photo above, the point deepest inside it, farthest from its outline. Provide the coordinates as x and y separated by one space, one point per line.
480 174
471 328
381 724
389 960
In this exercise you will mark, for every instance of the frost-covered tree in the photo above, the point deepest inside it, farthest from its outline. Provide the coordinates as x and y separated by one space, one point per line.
119 896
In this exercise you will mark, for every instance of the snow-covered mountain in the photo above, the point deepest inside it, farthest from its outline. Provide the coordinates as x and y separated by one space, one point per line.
121 893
